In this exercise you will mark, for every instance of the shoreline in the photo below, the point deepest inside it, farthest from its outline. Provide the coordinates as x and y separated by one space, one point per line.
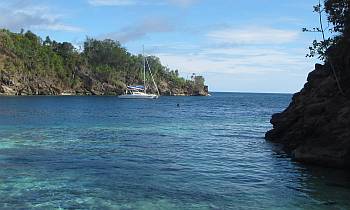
111 95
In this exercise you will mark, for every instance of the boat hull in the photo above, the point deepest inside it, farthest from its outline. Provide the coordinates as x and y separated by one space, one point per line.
131 96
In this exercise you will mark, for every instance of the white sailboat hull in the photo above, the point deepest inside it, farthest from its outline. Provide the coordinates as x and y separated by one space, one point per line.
138 96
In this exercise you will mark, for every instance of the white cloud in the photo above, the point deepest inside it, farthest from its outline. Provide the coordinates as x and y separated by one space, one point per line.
258 56
141 29
28 16
253 35
244 68
112 2
59 27
182 3
236 61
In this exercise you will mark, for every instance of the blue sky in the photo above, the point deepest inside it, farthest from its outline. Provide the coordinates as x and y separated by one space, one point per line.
237 45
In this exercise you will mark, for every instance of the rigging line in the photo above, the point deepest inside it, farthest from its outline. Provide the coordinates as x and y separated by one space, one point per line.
144 68
152 77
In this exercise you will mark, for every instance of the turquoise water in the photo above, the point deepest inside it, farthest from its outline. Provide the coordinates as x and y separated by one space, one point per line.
107 153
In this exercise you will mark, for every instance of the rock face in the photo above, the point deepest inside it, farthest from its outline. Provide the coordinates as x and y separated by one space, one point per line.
315 128
17 84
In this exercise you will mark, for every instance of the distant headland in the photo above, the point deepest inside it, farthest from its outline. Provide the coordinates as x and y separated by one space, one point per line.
30 65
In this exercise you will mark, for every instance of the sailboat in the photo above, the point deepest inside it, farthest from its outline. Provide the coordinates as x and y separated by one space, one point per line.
139 91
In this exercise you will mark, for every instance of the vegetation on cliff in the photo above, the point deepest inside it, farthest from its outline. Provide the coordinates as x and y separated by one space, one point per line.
32 66
315 128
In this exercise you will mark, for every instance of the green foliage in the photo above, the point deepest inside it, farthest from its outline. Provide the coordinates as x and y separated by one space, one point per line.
198 83
103 60
338 16
319 48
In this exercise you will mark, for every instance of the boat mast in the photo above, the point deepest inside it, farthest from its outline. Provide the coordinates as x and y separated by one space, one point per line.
144 67
154 82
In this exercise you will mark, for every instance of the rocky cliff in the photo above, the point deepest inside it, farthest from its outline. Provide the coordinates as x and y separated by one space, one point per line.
22 84
315 128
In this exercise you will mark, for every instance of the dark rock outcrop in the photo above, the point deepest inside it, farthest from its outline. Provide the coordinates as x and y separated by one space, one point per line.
18 84
315 128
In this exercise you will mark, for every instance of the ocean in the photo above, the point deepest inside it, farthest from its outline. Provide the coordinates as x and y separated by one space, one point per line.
87 152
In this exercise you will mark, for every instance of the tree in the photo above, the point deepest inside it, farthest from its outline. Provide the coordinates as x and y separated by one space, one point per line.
319 47
338 14
47 41
31 36
198 83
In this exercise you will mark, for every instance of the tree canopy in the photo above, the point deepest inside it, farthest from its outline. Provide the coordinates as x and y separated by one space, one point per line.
338 17
104 60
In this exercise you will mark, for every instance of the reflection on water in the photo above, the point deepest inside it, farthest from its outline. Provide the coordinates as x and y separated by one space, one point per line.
102 152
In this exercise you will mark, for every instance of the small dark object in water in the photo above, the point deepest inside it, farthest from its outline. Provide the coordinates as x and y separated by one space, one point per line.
178 105
328 203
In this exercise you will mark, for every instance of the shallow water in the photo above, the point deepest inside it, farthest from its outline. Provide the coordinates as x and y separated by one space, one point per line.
107 153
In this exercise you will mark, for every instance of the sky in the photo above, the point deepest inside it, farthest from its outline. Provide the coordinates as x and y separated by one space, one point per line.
237 45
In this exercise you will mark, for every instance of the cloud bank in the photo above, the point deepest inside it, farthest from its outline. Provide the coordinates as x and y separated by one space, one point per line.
182 3
29 16
141 30
253 35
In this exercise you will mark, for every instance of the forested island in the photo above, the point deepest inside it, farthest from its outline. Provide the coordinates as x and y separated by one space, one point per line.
30 65
315 128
